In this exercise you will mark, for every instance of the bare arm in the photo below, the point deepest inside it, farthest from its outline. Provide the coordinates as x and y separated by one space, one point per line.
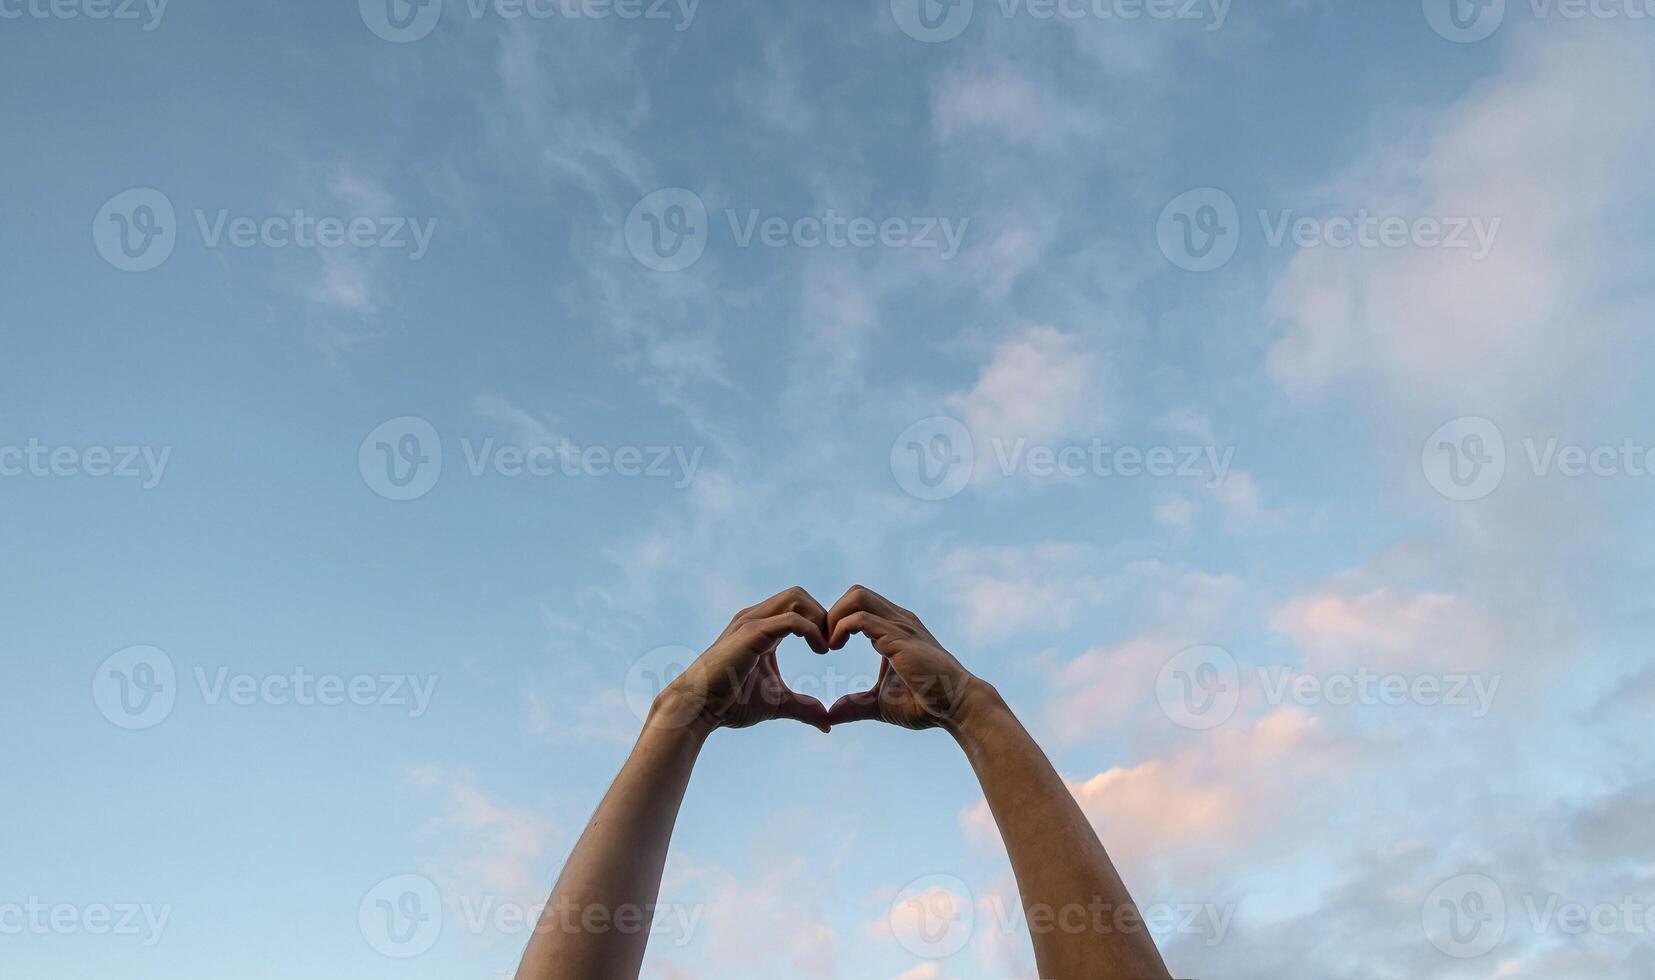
1073 899
597 921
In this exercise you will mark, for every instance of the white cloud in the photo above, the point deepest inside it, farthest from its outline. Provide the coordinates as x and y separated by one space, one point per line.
758 925
1109 689
840 307
360 193
1041 385
1001 592
491 848
1552 146
550 80
1001 101
1190 422
1389 629
350 280
1177 513
528 429
1239 495
1017 242
1172 821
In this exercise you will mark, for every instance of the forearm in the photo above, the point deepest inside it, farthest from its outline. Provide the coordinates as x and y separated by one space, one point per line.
596 922
1080 916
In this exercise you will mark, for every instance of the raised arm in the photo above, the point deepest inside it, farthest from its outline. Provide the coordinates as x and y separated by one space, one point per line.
597 921
1065 878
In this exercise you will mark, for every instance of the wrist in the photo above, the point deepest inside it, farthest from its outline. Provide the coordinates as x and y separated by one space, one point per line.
678 716
981 710
658 735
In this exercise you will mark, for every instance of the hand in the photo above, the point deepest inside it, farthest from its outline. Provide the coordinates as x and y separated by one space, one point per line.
920 684
735 683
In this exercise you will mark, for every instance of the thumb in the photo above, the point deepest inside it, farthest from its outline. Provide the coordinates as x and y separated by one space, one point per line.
803 707
862 706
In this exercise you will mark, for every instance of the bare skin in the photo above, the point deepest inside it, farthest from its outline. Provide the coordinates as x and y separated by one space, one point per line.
597 920
1064 876
596 923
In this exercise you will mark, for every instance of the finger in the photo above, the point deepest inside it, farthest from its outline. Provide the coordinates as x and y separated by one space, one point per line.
795 599
875 628
803 707
765 633
859 598
863 706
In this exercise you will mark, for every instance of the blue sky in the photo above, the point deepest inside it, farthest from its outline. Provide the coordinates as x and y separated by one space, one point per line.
1351 686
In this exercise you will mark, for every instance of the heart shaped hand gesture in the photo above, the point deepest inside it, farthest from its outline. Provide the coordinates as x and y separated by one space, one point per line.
1056 857
735 683
920 684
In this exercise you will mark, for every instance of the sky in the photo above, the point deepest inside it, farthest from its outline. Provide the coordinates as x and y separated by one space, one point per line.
1256 394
